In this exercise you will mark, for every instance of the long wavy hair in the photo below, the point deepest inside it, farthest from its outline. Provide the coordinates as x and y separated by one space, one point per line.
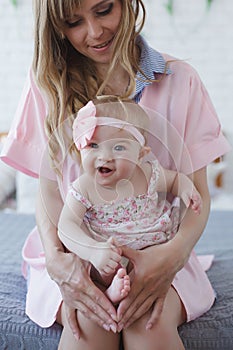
69 79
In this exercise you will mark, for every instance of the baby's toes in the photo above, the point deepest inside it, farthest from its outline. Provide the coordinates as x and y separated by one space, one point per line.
126 286
121 273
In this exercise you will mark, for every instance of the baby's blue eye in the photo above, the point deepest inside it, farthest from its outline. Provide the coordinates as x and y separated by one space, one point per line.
119 148
93 145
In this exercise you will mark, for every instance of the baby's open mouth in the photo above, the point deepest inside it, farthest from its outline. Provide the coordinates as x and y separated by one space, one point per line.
104 170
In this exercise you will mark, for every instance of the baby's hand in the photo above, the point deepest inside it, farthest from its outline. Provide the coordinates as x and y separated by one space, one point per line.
106 256
196 203
193 200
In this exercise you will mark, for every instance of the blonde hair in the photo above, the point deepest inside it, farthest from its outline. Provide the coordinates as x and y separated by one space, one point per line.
61 71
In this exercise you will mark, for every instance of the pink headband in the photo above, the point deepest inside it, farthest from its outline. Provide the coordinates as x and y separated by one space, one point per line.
86 121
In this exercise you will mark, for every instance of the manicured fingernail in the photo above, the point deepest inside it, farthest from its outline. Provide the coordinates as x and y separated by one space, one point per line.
77 336
113 328
114 317
148 326
119 317
106 327
120 327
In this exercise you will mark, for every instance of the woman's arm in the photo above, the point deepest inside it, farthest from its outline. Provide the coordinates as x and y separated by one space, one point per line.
66 269
153 276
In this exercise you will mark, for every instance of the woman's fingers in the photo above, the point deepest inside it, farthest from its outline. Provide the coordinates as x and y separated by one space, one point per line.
156 312
93 311
71 316
79 292
96 314
135 311
94 304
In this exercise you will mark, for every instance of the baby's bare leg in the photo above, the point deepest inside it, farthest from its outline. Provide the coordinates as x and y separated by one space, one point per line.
164 334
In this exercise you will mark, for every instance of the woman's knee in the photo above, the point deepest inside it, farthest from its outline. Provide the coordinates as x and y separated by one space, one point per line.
164 332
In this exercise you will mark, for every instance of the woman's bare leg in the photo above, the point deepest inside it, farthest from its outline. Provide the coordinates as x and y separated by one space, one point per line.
92 336
164 334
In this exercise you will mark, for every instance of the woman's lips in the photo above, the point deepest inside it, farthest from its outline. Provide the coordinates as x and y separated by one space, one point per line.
102 46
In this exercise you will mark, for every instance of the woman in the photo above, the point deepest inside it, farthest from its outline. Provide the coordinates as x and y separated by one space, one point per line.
84 48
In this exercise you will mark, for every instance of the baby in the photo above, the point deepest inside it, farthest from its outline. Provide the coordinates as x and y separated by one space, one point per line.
118 196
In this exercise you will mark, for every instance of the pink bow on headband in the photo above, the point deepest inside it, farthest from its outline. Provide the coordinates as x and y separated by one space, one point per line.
86 122
84 125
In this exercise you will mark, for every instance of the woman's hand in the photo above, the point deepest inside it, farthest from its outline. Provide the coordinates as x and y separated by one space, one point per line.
154 270
79 292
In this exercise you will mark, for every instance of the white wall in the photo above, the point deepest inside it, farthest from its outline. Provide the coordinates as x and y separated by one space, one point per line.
16 43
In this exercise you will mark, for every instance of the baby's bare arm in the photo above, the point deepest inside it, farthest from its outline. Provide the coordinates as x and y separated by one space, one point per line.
180 185
105 256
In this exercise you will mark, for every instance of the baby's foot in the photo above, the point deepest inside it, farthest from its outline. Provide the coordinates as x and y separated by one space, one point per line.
119 287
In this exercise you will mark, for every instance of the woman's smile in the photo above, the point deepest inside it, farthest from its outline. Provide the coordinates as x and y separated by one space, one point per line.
103 46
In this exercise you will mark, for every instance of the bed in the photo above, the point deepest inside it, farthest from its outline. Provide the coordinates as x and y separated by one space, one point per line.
212 331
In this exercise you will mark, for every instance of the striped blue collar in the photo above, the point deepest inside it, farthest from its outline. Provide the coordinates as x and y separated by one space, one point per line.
151 62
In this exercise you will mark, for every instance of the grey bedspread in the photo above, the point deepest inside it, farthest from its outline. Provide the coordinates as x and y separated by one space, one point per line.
212 331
